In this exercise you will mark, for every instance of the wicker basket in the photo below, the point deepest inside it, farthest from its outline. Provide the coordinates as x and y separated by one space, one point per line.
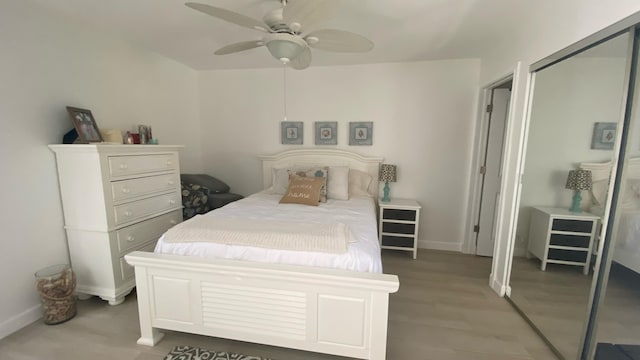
56 285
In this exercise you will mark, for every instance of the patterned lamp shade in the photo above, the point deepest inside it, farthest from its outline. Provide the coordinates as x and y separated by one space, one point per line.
387 173
579 180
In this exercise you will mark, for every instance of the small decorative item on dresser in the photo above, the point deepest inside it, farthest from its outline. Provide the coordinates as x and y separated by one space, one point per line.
398 227
143 132
387 174
577 181
85 125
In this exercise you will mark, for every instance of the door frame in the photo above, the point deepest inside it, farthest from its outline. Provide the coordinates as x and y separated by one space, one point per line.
479 150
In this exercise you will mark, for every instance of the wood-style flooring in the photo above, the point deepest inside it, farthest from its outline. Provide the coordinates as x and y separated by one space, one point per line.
444 310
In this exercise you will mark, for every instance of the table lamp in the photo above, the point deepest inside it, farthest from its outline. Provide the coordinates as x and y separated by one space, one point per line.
577 181
387 174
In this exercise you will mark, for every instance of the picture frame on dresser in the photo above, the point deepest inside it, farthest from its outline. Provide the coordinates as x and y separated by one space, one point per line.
85 125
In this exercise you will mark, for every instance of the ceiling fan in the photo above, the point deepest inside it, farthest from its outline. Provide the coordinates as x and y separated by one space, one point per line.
288 35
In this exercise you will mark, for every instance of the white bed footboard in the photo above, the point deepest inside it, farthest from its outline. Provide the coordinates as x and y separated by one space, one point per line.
322 310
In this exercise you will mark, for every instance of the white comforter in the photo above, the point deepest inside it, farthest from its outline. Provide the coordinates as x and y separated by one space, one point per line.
363 254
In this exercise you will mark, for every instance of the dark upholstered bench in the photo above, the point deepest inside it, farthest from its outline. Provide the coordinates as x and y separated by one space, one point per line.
202 193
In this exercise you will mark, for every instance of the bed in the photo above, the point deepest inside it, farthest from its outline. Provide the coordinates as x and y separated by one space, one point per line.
311 306
626 228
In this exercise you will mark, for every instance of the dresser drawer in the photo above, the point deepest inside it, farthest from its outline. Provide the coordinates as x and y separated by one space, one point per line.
141 164
138 209
132 188
582 226
398 214
127 271
398 228
576 241
138 234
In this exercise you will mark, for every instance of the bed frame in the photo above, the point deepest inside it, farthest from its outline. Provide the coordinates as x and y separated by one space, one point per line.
602 171
315 309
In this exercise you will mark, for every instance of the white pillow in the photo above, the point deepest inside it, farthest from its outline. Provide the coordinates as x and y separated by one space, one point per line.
359 182
338 183
280 181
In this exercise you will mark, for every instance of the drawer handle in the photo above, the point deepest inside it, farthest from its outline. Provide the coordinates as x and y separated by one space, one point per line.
169 162
172 202
128 213
131 238
173 222
123 166
171 182
126 190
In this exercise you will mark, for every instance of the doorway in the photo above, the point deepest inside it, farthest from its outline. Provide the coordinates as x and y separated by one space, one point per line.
488 172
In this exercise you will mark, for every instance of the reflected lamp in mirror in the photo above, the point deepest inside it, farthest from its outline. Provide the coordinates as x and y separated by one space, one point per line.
387 174
577 181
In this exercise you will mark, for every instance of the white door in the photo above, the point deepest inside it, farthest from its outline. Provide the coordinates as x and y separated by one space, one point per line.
492 172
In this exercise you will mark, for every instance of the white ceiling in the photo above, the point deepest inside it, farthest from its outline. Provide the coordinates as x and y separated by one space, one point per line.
402 30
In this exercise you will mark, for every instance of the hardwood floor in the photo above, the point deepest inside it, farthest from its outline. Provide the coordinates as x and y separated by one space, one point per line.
444 310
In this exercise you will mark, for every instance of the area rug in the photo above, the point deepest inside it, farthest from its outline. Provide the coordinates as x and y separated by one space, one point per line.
193 353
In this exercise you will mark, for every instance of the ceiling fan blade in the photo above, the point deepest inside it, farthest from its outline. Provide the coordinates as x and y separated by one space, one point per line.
241 46
302 61
230 16
304 14
338 41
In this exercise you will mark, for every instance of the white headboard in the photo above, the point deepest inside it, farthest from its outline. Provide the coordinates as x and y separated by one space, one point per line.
321 157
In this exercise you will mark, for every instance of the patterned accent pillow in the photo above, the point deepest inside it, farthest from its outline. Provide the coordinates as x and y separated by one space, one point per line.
194 200
303 190
320 172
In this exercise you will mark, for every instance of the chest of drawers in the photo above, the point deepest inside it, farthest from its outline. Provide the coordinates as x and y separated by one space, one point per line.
116 199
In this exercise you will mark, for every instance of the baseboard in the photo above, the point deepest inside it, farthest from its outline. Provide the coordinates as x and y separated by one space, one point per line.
19 321
497 286
439 245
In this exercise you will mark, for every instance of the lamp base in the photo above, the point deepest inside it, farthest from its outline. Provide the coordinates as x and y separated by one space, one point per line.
385 197
575 206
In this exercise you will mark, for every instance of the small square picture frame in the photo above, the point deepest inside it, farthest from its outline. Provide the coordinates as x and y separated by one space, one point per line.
85 125
326 132
291 132
604 135
361 133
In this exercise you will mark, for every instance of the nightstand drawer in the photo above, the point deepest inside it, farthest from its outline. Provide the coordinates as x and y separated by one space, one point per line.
396 214
567 255
398 228
577 241
582 226
398 241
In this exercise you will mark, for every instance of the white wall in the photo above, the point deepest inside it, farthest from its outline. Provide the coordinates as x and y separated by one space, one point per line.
545 27
422 114
46 64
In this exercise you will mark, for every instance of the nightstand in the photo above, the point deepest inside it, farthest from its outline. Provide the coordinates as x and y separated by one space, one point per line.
398 225
559 236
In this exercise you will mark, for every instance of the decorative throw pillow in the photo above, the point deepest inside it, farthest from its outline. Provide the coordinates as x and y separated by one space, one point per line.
303 190
194 200
320 172
280 180
338 183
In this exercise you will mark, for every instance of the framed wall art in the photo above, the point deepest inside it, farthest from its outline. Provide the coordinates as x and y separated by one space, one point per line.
291 132
326 132
85 125
361 133
604 135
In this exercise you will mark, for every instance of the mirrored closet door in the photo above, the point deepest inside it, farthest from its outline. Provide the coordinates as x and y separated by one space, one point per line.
576 110
614 327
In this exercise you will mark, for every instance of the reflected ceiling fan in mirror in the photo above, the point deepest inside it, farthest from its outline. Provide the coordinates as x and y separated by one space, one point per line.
288 31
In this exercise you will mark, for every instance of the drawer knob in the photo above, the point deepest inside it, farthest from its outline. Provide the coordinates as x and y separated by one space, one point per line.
169 162
173 222
172 202
123 166
128 213
171 182
126 190
130 238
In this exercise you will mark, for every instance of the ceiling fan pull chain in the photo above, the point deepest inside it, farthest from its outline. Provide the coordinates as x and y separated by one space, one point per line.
284 80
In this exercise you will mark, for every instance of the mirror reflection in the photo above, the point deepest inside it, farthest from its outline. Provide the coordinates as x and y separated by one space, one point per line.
575 108
618 326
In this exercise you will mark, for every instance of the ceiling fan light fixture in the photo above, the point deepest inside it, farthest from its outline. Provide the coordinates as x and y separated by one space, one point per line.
284 47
